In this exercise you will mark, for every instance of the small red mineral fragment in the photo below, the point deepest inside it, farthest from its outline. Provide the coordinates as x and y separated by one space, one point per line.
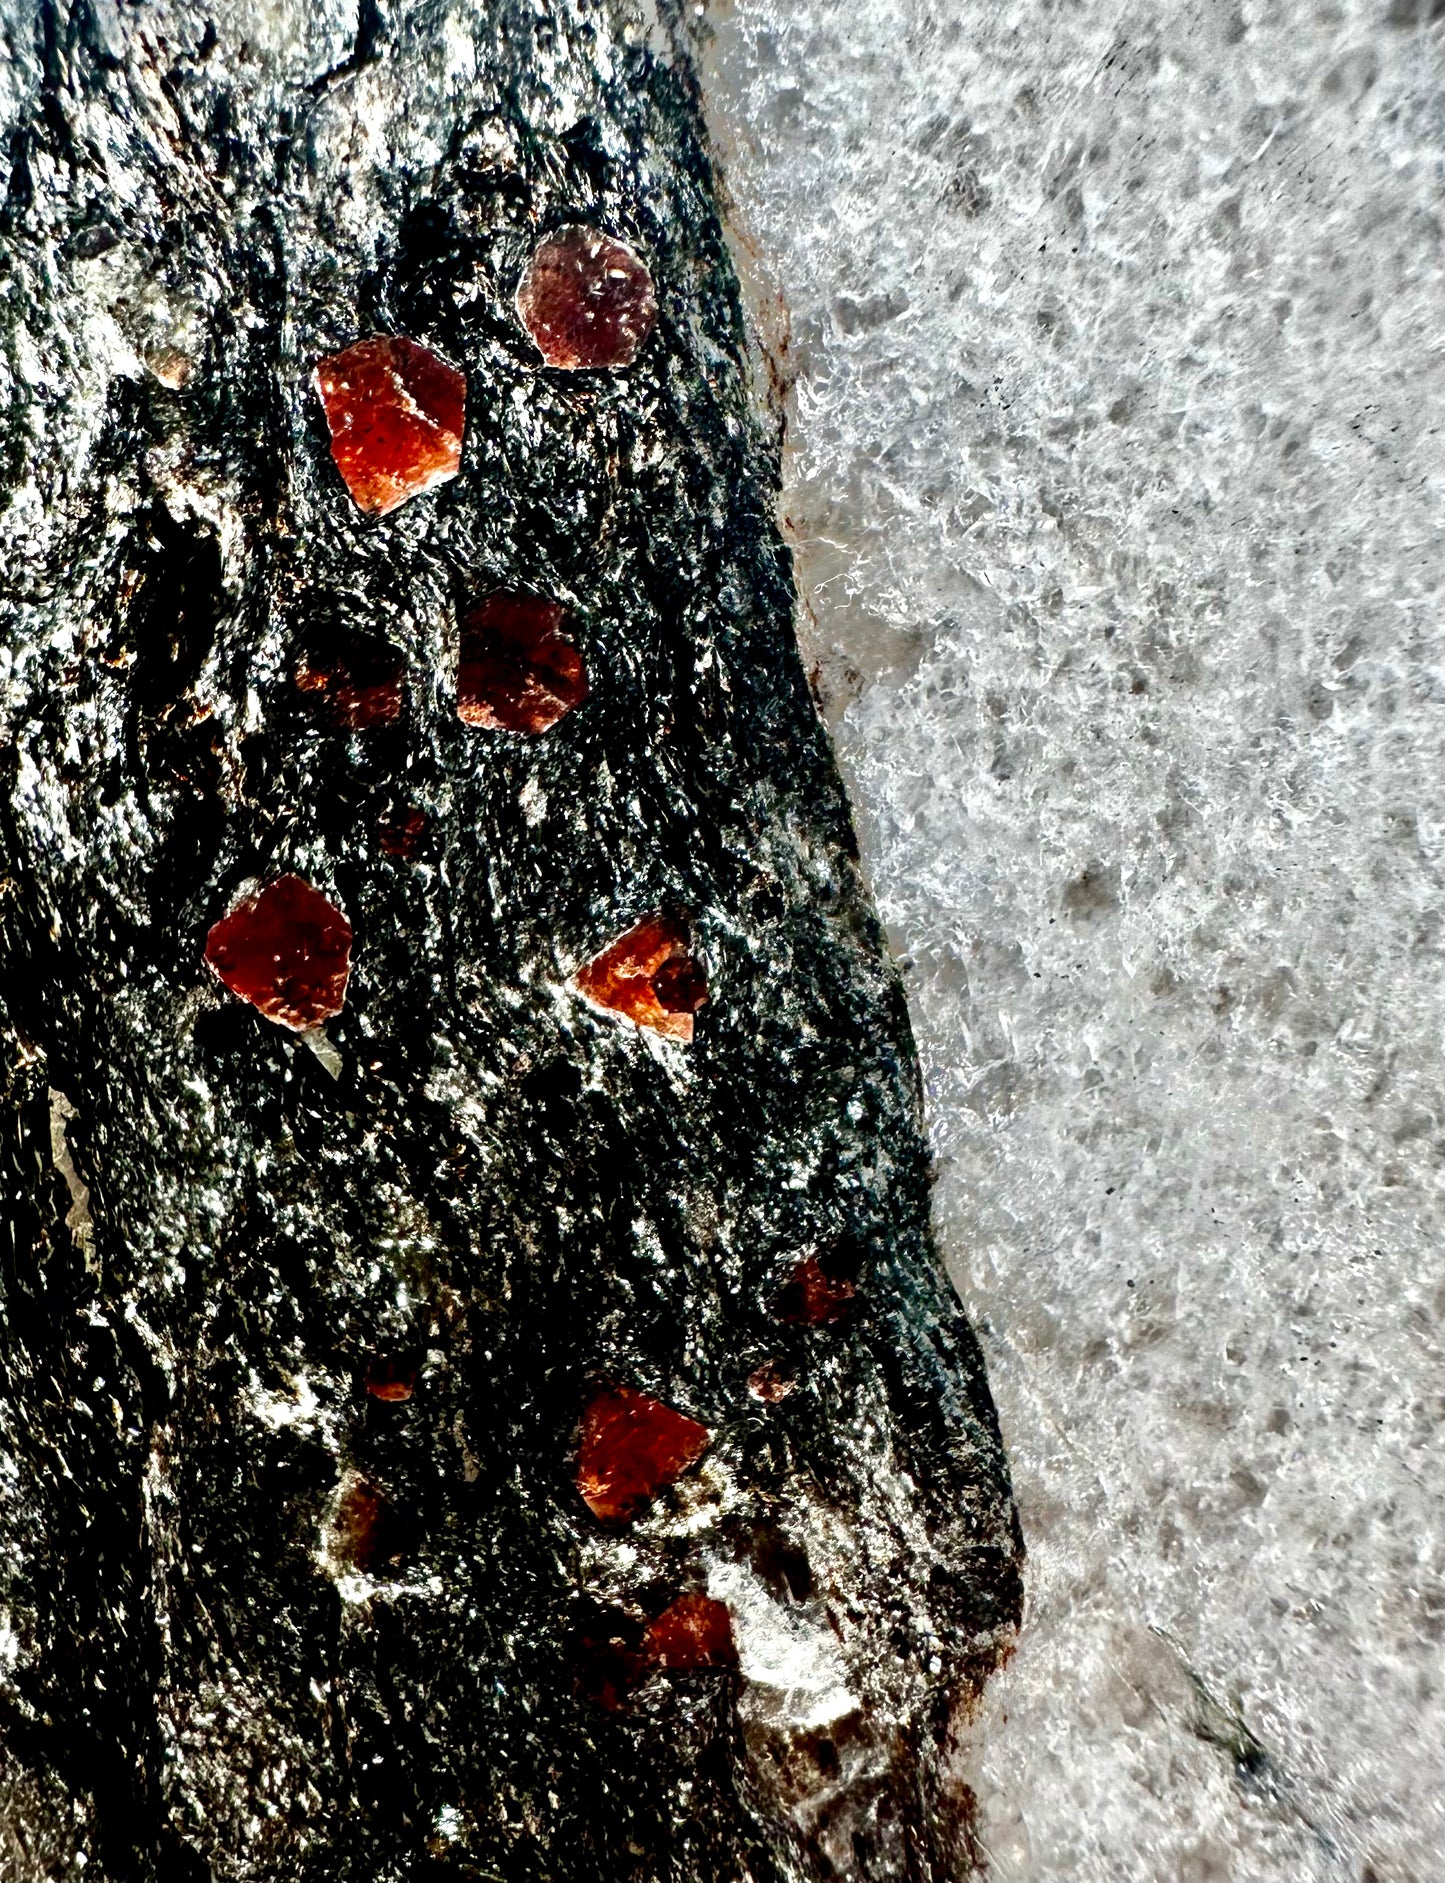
608 1666
390 1379
367 1530
518 671
358 687
287 950
650 977
396 414
586 300
631 1447
815 1294
770 1383
694 1632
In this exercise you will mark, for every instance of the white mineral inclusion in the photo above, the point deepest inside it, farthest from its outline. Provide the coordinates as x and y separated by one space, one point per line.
793 1657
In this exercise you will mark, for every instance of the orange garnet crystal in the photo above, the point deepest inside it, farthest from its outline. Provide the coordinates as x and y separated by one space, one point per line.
396 414
694 1632
630 1448
287 950
586 300
650 977
518 671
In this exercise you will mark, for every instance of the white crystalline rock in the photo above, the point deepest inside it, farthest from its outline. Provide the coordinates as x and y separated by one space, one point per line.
792 1657
1115 481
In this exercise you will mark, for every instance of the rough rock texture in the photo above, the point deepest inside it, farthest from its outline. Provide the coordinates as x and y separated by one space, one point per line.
297 1579
1116 486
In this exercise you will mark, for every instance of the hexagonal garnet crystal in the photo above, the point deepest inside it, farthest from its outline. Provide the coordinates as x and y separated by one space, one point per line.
649 976
586 300
287 950
518 671
695 1632
396 414
631 1447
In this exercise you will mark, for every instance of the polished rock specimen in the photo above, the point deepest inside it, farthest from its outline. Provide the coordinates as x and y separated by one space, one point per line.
287 950
518 671
352 1427
396 413
586 300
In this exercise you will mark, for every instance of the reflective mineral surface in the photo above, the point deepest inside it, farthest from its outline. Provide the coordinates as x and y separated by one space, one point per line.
396 413
586 300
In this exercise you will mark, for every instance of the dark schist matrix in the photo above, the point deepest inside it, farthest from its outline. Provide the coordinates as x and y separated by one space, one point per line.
479 1400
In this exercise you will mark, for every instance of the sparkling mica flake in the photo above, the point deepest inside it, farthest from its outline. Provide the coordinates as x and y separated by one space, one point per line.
586 300
648 976
287 950
396 414
518 671
695 1632
631 1447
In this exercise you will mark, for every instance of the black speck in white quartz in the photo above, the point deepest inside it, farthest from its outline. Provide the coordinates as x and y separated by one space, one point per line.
294 1564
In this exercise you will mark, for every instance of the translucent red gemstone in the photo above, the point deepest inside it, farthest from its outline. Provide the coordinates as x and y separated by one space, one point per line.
396 414
815 1294
357 687
649 976
287 950
695 1632
631 1447
586 300
518 671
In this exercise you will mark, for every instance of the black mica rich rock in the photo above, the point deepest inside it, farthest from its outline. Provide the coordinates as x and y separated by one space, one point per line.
299 1331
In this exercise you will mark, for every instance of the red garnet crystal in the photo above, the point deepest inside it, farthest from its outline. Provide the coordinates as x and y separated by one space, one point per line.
649 977
390 1380
396 414
287 950
367 1530
518 671
586 299
694 1632
400 829
358 687
815 1294
631 1447
770 1383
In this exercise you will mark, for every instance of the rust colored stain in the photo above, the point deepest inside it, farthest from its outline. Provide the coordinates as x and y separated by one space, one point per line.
813 1296
518 671
649 976
287 950
586 299
695 1632
357 689
631 1447
396 414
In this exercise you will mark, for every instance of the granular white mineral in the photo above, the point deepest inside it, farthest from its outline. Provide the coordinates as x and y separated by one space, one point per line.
1115 486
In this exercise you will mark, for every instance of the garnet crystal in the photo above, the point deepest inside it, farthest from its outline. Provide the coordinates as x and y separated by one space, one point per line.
396 413
287 950
816 1293
518 671
695 1632
631 1447
649 976
357 687
586 299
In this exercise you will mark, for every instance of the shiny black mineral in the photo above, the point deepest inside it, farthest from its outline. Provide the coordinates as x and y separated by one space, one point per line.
483 1405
